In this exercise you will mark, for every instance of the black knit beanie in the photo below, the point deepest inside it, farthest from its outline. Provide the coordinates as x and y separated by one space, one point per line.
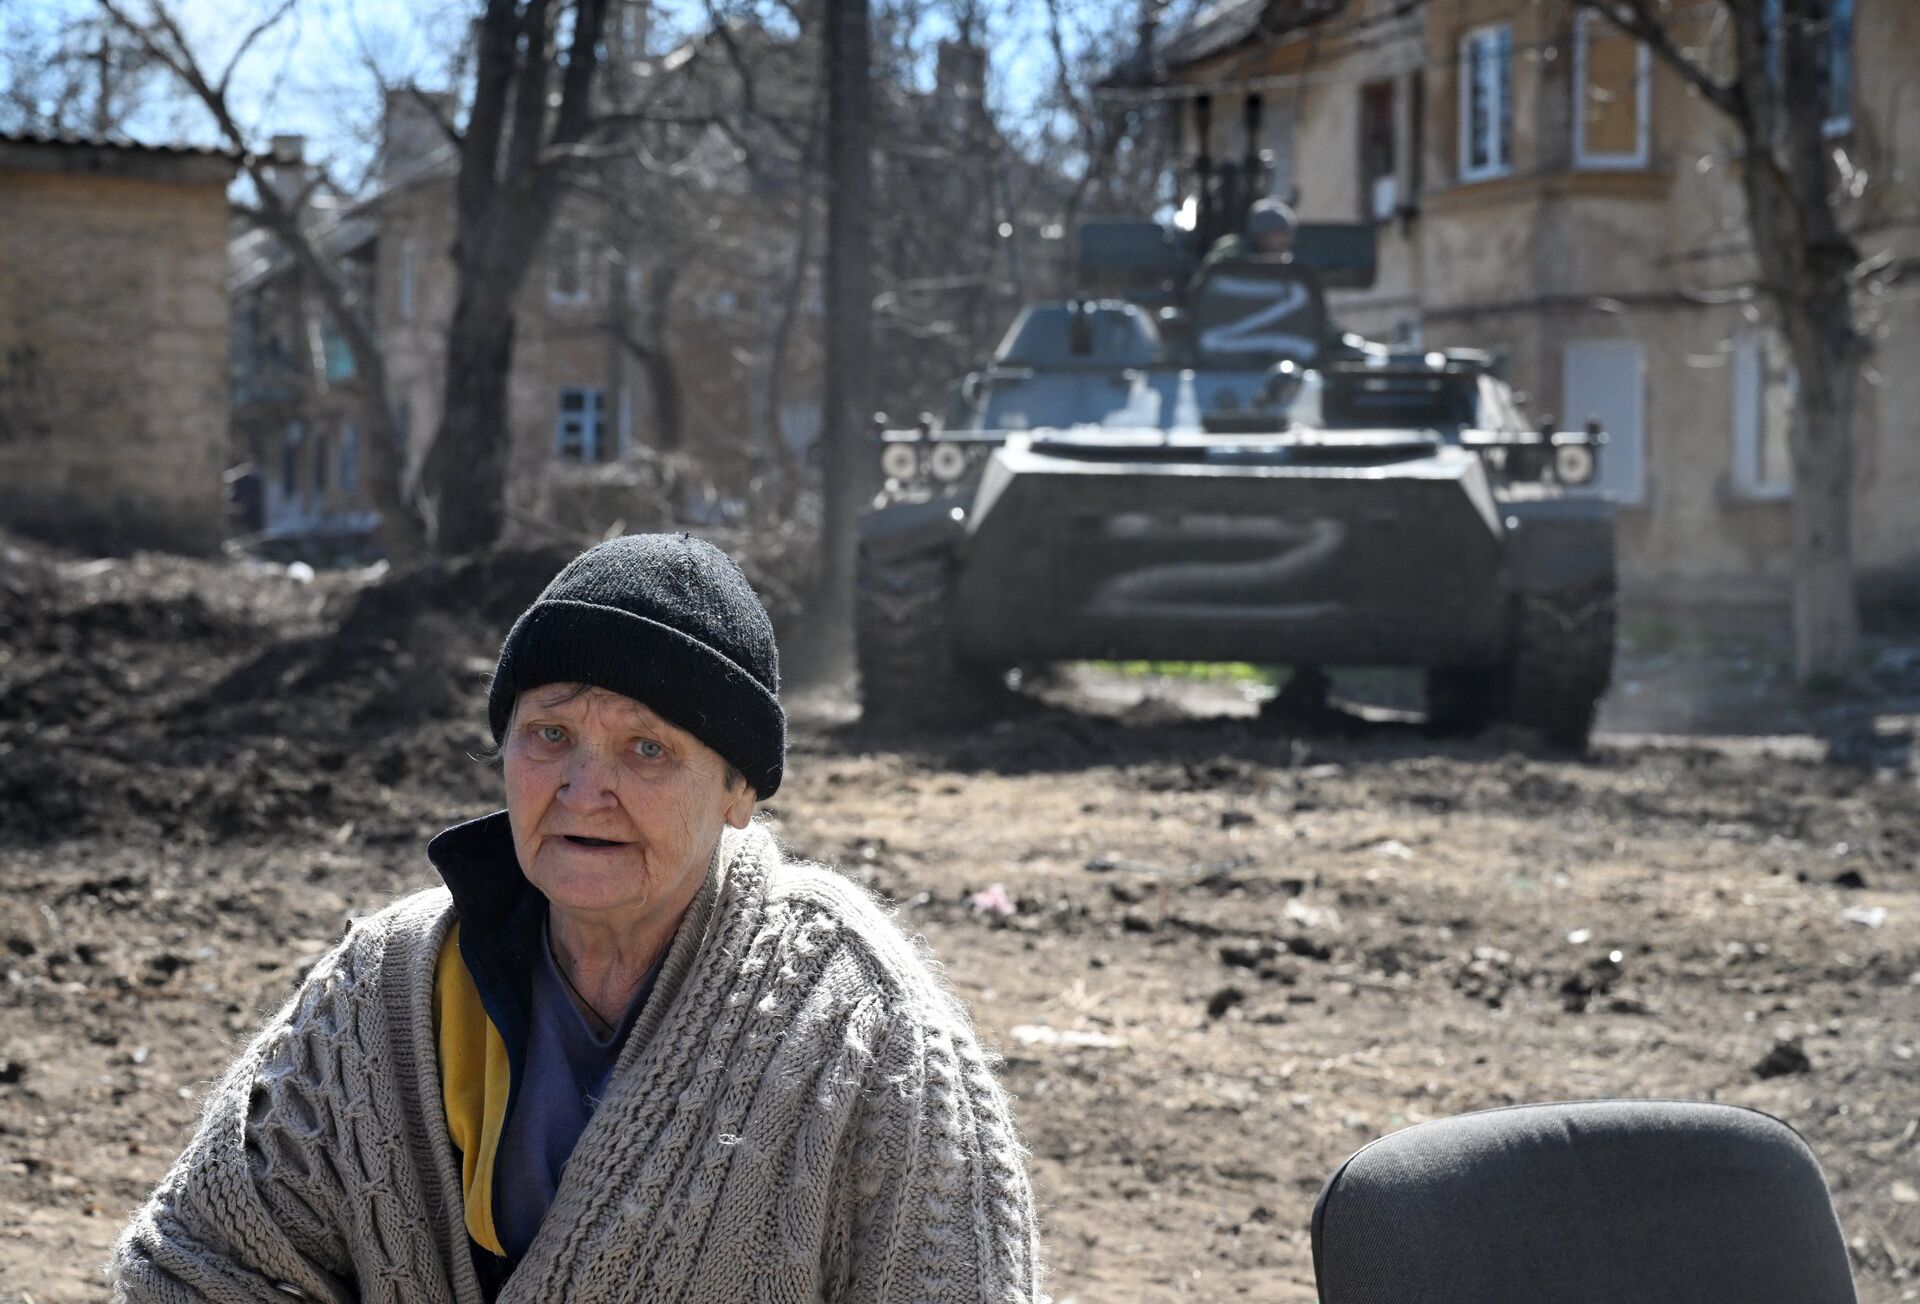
667 620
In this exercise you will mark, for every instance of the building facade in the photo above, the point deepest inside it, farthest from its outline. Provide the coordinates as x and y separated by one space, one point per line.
1544 188
113 342
635 341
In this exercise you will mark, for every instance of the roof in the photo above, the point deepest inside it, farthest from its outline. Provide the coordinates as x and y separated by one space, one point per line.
257 256
1216 28
77 141
30 151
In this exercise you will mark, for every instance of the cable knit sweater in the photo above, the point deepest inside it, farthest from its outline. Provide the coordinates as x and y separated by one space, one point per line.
802 1113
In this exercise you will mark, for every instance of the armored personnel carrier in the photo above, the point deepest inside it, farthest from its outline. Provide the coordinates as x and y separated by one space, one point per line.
1192 462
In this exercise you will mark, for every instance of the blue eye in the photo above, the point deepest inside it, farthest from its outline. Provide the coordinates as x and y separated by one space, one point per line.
649 749
551 733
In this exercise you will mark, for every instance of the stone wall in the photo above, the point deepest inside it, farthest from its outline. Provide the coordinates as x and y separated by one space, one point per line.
113 345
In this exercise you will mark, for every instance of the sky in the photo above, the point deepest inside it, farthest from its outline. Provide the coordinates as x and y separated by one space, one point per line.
309 74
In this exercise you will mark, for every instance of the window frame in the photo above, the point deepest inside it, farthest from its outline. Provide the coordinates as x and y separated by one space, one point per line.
1389 89
1831 124
1643 102
1749 360
349 455
1626 463
1841 123
407 303
591 416
1501 121
559 240
322 479
291 442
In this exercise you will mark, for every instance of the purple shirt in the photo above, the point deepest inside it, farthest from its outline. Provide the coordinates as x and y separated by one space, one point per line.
566 1071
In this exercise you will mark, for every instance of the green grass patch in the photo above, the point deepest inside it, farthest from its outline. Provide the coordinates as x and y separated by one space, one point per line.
1226 672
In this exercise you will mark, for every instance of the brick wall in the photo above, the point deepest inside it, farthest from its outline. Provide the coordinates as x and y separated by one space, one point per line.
113 346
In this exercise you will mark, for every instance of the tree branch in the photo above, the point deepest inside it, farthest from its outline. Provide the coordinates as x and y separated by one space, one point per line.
1637 19
493 75
749 100
583 53
529 109
246 43
423 101
163 41
426 103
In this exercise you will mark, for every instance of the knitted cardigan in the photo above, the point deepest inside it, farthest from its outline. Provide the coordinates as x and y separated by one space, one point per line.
802 1113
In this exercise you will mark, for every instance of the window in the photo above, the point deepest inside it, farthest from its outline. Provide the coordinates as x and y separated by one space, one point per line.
406 281
1611 76
339 358
1840 67
579 433
290 459
1486 109
1379 175
322 467
1763 395
566 267
1276 131
800 423
350 458
1839 59
1605 381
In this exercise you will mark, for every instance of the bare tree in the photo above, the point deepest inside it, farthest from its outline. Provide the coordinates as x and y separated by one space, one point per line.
157 34
847 411
1106 171
84 76
520 137
1772 81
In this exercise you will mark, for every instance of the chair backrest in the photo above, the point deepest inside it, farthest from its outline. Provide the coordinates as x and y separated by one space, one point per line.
1593 1202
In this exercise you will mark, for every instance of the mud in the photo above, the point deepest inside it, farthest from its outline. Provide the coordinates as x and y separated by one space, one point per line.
1232 958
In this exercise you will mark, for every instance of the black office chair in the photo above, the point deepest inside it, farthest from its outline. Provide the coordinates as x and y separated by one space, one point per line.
1590 1202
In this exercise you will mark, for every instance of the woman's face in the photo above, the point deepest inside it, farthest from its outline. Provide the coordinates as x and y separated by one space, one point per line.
614 811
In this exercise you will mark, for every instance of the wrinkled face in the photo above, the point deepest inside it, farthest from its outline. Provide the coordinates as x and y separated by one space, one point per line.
615 812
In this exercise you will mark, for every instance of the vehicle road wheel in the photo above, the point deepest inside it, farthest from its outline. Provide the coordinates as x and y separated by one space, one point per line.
1563 659
903 641
1463 700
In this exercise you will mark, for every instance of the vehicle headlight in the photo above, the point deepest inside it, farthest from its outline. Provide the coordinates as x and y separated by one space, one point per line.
948 462
900 461
1573 464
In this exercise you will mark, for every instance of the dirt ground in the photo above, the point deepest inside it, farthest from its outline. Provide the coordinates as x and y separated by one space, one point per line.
1233 957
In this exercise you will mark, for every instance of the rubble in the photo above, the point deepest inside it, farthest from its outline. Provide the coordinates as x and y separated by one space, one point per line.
206 769
1781 1059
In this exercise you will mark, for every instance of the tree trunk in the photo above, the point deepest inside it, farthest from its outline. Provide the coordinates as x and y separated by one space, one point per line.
663 373
1826 620
792 292
507 190
467 465
1776 99
848 473
654 349
401 535
1806 259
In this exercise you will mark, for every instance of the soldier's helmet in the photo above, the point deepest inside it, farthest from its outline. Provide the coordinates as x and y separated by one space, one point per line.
1270 217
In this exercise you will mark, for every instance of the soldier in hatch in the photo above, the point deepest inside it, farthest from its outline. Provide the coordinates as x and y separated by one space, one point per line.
1269 234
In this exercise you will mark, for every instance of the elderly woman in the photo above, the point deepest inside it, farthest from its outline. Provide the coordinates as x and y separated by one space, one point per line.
629 1052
